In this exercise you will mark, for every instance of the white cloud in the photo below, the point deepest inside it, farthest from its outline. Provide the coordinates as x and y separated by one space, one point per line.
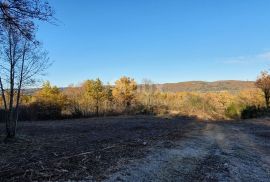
261 57
265 55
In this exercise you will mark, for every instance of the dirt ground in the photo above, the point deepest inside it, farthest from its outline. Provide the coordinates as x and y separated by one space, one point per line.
139 148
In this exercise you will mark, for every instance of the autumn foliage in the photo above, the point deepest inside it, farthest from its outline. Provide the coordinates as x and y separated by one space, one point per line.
94 98
263 82
124 92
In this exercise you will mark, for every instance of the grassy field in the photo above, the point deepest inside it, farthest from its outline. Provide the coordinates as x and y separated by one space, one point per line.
139 148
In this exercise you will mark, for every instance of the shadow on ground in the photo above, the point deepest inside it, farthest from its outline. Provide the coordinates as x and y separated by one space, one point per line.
83 148
138 148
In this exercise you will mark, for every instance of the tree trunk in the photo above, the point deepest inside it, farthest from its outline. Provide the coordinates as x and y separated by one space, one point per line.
3 94
128 104
266 97
97 108
10 125
11 133
6 111
19 91
10 119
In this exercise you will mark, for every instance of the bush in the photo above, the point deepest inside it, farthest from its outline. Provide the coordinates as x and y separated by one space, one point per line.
232 111
77 113
45 111
161 110
253 112
25 113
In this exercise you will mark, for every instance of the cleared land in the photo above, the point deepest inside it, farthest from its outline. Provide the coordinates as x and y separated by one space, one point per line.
138 149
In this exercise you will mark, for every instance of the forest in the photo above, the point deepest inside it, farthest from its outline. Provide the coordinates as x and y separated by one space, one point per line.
94 99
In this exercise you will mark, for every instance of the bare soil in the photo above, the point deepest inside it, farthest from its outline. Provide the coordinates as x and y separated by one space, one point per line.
138 148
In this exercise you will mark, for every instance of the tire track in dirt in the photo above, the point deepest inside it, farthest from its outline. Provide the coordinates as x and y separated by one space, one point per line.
214 152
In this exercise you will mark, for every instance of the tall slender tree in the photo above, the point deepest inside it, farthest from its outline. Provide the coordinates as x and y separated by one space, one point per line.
263 83
96 91
124 91
21 62
148 89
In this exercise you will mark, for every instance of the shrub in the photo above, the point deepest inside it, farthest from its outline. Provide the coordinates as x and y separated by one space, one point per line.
232 111
161 110
45 111
252 112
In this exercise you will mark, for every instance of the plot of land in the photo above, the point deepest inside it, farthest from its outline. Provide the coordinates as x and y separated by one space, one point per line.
137 148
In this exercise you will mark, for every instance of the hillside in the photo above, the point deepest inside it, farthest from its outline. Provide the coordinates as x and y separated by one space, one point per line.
201 86
193 86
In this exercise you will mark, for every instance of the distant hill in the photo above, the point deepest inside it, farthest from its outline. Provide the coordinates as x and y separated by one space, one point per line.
193 86
201 86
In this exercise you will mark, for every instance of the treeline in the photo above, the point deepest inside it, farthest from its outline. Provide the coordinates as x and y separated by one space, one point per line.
93 98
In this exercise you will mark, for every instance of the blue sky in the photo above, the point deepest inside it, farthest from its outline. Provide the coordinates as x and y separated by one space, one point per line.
162 40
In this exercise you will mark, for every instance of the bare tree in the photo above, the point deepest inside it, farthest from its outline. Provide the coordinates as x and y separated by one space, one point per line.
22 62
263 82
149 89
20 15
